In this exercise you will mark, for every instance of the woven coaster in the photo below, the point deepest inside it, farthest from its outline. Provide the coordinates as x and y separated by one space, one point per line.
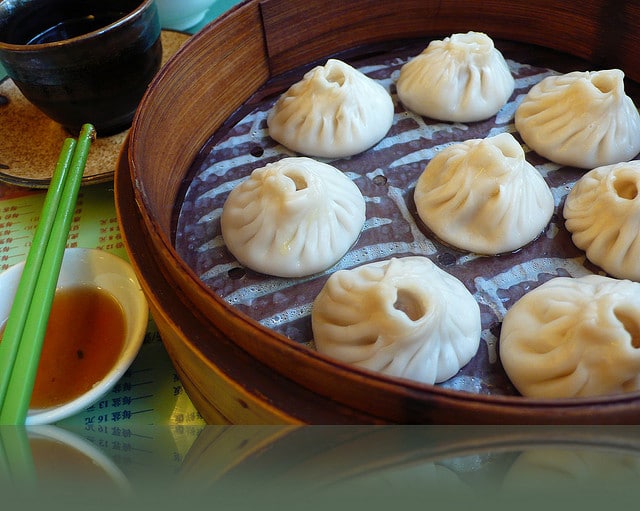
30 142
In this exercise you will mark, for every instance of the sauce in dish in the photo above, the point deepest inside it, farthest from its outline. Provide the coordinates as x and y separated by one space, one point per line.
85 335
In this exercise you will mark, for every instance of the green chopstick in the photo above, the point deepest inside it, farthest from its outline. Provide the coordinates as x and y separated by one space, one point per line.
22 301
21 344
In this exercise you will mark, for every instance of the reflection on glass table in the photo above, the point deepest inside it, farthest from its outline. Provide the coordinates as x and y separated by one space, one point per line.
292 464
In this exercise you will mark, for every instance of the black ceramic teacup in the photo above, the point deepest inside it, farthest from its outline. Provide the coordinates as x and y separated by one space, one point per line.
82 61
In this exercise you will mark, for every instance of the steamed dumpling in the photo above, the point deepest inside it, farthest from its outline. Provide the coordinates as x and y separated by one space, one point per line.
403 317
335 111
462 78
482 195
292 218
574 337
581 119
602 212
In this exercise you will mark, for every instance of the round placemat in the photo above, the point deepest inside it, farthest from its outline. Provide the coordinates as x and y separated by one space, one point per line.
30 142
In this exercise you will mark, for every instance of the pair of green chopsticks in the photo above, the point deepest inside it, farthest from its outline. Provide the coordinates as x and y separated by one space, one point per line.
21 344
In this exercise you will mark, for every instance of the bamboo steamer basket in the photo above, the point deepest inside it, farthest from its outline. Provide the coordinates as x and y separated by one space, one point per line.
234 369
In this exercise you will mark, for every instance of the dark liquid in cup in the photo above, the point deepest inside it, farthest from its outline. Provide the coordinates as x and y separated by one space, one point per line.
76 27
98 80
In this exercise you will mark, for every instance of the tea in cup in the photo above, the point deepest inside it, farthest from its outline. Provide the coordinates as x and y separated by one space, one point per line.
82 61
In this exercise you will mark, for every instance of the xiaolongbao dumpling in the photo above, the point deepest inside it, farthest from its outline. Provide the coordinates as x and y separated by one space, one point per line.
292 218
482 195
602 212
462 78
335 111
581 119
403 317
574 337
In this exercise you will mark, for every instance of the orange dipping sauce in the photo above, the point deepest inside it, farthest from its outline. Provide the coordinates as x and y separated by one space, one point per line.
84 337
